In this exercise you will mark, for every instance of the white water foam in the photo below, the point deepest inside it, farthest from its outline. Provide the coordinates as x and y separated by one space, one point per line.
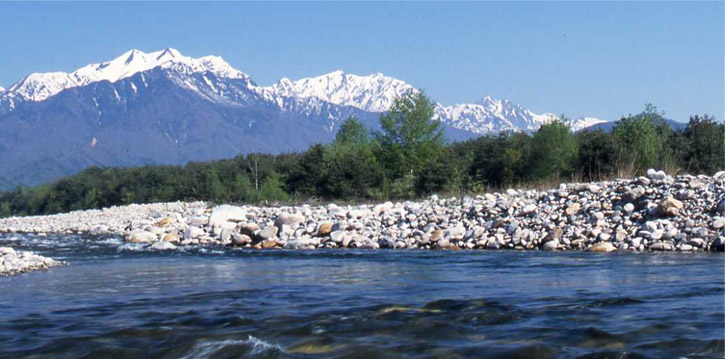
207 349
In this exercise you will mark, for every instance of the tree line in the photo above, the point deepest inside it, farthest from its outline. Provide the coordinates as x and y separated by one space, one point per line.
407 158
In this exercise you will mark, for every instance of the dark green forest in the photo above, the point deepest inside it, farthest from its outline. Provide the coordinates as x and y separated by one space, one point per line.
407 158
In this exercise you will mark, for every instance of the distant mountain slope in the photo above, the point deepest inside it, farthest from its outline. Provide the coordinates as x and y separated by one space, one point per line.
608 126
163 107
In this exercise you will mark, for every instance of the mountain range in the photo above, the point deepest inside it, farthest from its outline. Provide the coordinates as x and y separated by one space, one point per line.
166 108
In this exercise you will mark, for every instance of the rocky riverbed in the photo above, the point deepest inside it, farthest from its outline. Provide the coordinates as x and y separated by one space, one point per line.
656 212
15 262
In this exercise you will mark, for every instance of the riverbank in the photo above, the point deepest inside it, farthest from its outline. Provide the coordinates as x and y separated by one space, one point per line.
655 212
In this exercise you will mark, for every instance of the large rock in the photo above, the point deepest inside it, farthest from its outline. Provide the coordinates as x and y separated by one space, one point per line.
171 237
324 229
15 262
267 233
141 237
554 234
289 219
386 242
669 207
718 244
226 213
718 223
248 228
193 232
302 243
269 244
602 247
239 239
661 246
436 235
163 246
337 236
551 245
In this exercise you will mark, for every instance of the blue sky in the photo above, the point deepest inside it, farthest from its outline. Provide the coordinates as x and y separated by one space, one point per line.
601 59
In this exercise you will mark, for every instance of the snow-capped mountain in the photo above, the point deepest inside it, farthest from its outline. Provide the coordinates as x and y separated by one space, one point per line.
40 86
490 116
164 107
374 93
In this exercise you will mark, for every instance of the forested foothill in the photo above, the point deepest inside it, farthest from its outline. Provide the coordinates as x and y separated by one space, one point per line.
407 158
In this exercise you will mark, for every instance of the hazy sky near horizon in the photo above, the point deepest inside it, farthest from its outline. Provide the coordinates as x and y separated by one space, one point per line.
599 59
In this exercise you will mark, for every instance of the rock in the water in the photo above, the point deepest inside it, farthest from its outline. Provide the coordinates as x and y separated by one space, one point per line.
660 246
550 245
718 244
141 237
337 236
302 243
15 262
269 244
162 246
602 247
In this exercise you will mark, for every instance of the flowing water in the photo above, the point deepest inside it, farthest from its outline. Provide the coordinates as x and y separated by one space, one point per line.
115 301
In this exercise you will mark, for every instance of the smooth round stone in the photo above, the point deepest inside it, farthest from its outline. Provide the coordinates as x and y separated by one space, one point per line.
602 247
718 223
686 247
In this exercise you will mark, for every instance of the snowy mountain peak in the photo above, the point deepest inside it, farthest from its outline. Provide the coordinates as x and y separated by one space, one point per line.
217 81
39 86
373 93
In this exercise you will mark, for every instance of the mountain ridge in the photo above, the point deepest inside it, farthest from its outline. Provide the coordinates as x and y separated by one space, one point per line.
166 108
372 93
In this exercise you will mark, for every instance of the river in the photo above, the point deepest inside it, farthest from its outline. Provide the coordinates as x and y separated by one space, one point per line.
115 301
